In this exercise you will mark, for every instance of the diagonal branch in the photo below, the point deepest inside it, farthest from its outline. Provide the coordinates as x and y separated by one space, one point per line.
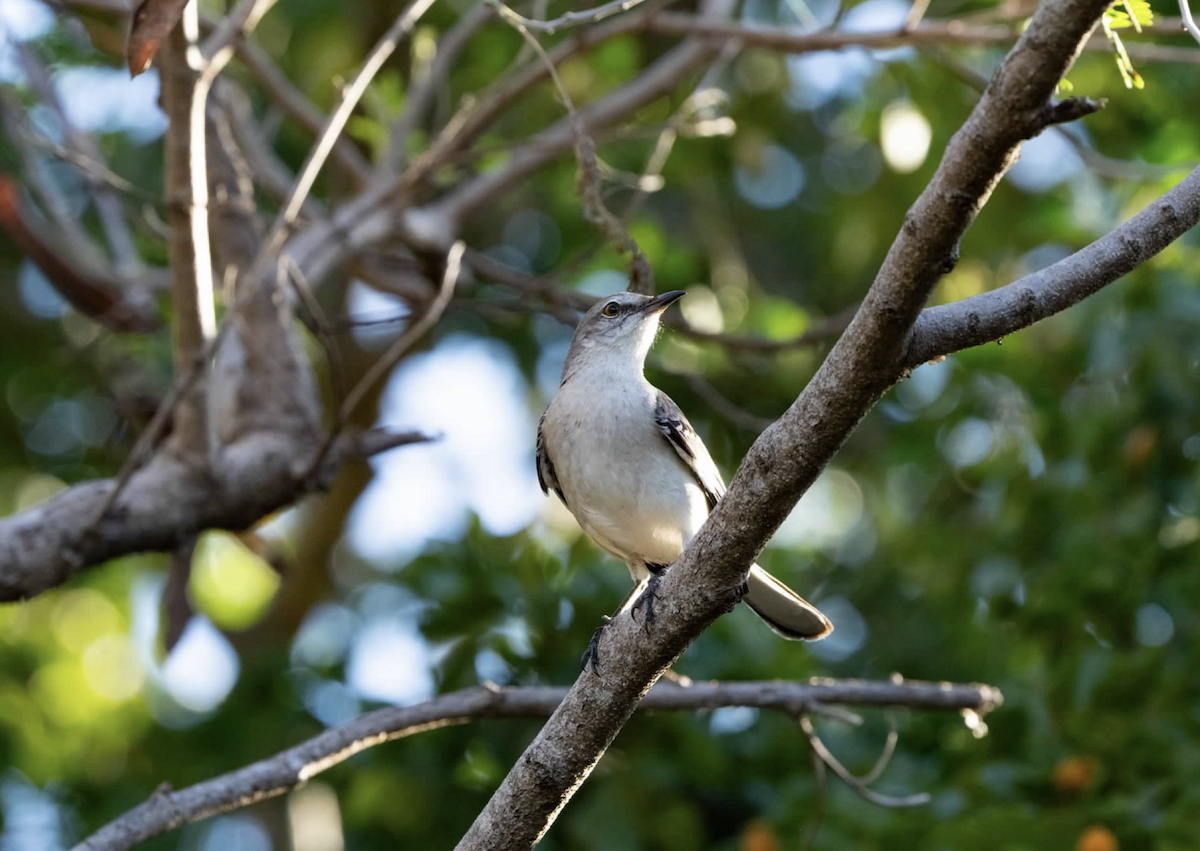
167 810
789 455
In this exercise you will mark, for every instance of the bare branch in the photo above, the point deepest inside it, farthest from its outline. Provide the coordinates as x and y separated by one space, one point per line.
397 349
793 40
300 108
94 292
108 205
373 214
167 810
990 316
570 19
192 299
1189 22
421 91
218 48
337 122
588 184
655 82
164 503
858 784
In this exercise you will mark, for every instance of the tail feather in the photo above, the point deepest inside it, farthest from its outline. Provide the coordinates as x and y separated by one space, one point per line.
783 609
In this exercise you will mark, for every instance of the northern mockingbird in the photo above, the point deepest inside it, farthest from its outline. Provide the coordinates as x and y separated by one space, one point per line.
626 462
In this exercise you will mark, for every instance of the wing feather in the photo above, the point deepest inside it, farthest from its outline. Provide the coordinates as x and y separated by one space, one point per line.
545 467
689 447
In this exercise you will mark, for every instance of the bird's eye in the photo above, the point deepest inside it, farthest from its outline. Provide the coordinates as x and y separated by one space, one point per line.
611 309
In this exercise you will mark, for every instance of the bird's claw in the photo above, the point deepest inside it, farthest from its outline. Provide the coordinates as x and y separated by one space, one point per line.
591 656
646 600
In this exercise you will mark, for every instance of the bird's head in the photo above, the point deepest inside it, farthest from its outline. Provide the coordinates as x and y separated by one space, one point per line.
619 329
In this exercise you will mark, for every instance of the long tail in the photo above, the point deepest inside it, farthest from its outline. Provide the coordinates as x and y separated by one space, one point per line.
783 609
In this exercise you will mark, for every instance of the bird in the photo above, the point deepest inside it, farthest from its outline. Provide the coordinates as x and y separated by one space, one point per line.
628 465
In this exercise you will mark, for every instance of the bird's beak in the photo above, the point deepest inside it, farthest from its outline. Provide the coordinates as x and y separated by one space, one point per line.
662 302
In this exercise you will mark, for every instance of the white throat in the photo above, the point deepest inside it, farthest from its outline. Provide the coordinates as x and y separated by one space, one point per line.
621 359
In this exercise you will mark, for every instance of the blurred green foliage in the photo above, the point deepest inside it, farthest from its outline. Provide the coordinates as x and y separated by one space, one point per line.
1025 514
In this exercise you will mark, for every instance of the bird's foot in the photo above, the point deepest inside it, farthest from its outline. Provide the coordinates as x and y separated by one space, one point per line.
591 656
743 589
646 601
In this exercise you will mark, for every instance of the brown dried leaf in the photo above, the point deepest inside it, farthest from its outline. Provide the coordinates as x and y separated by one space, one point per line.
149 25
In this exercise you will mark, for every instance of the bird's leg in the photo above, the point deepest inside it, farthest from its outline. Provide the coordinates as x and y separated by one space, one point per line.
649 595
591 656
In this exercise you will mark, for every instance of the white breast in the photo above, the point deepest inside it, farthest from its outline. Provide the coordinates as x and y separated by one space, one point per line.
623 482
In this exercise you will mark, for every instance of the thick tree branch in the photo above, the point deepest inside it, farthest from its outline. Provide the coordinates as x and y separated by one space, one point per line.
163 504
989 316
790 454
167 810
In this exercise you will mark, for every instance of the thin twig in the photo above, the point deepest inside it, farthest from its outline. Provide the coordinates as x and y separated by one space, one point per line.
337 121
915 14
857 783
396 350
302 110
218 48
325 332
818 815
570 19
796 40
93 168
641 276
421 91
108 206
885 756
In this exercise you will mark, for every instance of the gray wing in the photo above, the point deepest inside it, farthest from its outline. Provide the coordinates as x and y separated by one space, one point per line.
545 467
689 447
